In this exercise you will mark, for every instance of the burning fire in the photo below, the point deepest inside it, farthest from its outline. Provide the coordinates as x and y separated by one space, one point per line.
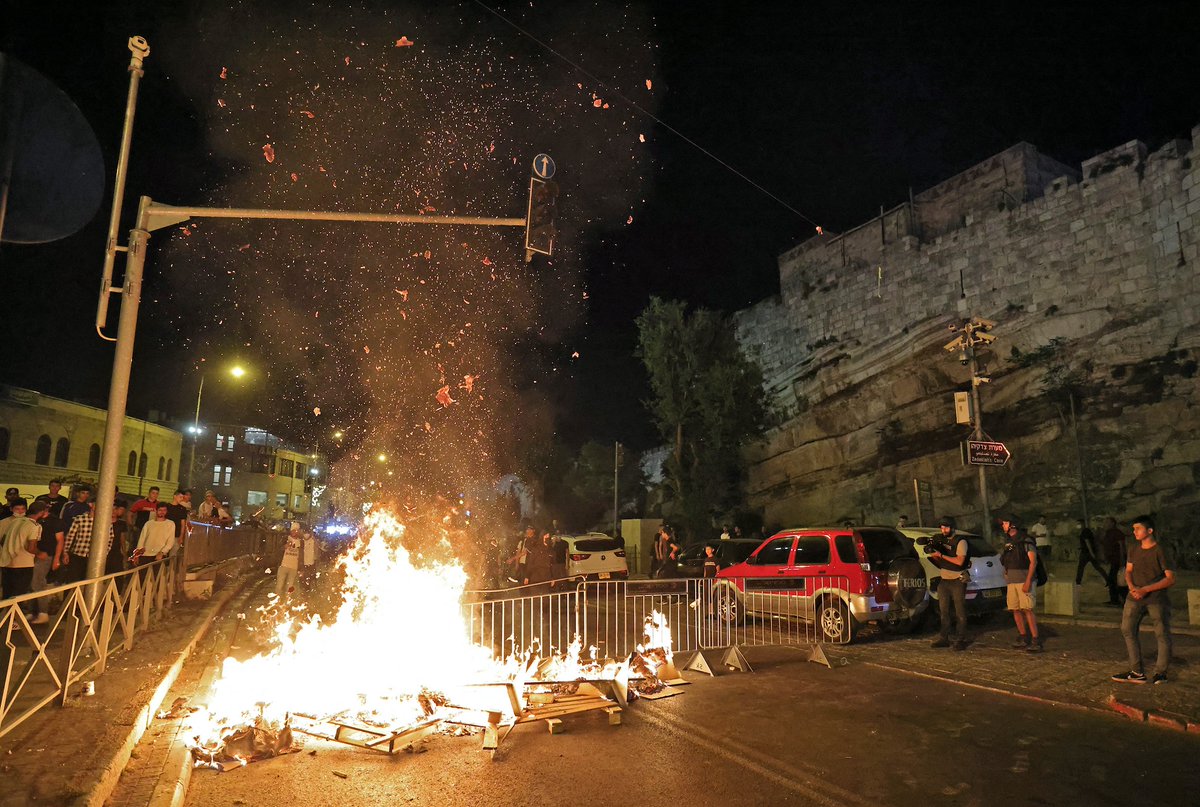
396 651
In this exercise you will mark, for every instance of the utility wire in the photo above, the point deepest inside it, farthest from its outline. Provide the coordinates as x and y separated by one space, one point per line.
642 110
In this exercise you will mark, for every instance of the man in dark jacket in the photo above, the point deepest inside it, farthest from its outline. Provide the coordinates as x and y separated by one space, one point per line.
1087 553
1112 546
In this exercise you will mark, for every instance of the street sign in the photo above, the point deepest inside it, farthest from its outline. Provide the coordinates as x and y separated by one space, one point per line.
543 166
983 452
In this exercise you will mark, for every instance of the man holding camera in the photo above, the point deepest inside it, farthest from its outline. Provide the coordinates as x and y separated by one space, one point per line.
949 554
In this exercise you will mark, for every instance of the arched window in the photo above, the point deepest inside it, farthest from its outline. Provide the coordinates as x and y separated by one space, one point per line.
94 457
62 452
4 438
42 457
142 466
162 466
170 467
131 467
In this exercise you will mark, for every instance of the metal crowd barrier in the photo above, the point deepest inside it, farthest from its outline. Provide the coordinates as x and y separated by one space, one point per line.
40 664
211 543
702 614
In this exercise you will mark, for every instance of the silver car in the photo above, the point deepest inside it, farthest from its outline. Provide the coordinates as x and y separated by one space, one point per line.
986 589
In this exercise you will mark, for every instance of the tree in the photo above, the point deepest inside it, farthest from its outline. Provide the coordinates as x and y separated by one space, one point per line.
707 400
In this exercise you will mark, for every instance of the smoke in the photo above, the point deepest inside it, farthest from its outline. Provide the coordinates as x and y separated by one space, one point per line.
430 345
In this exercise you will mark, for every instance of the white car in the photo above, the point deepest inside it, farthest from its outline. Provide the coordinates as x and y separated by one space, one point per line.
987 589
594 555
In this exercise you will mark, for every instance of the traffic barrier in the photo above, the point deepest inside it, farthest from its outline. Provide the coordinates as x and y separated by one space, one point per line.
704 615
207 544
40 664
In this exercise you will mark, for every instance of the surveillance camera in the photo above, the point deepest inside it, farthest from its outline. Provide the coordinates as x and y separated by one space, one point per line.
962 358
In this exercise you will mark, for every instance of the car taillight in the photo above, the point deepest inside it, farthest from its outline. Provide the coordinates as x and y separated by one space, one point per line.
579 556
620 553
860 552
883 592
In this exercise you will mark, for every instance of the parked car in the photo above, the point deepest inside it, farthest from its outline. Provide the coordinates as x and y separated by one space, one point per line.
690 562
593 555
838 578
986 590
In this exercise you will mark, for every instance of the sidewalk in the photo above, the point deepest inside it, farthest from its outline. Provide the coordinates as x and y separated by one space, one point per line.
1081 654
74 754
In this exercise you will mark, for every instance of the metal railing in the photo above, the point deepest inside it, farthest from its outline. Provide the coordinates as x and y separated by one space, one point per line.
40 664
211 543
610 615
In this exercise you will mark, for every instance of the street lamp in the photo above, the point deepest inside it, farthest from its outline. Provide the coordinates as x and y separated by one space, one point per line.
236 371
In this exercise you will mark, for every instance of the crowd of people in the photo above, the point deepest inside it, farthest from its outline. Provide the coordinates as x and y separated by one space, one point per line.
1148 574
48 542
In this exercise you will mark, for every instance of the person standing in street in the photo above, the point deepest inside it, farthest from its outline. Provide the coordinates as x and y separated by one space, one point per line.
80 503
1150 574
1087 553
1112 544
950 556
48 560
80 543
143 509
19 536
1019 559
157 537
55 499
119 549
11 495
177 512
289 564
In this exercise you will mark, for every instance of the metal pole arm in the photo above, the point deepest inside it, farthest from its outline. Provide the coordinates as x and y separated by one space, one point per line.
162 215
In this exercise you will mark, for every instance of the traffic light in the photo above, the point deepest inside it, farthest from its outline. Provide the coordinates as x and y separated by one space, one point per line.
541 218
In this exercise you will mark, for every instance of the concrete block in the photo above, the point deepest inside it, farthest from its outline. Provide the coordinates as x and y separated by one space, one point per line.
1060 598
1194 606
198 589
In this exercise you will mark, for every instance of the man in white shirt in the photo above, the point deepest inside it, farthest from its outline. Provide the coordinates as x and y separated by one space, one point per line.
157 538
1041 536
289 564
19 536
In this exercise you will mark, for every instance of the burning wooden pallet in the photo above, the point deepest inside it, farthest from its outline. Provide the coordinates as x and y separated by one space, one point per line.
384 740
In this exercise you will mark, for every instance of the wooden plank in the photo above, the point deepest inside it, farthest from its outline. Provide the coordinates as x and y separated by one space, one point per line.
614 715
555 725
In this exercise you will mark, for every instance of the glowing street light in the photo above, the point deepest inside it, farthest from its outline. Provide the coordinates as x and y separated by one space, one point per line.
337 435
382 458
237 371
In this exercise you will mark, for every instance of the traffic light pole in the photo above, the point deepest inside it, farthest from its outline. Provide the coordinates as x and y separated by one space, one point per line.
978 418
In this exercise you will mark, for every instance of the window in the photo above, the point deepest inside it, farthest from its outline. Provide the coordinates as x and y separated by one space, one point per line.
812 549
301 469
216 475
170 468
775 553
131 467
883 546
42 457
281 499
94 457
62 452
285 467
297 501
256 497
162 466
4 439
229 443
228 474
220 442
222 474
271 467
142 465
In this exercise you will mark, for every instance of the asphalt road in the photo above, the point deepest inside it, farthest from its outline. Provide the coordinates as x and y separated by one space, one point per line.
792 732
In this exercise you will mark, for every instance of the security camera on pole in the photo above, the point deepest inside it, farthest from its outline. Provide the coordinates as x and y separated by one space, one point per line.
971 335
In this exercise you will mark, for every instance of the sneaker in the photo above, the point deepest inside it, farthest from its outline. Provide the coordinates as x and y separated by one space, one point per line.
1034 647
960 645
1021 643
1131 677
41 619
1159 678
939 643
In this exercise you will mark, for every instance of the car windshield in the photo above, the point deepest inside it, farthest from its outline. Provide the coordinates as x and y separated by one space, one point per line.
884 546
597 544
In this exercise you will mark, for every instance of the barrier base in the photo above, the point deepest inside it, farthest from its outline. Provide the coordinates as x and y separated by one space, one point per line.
734 659
731 658
816 654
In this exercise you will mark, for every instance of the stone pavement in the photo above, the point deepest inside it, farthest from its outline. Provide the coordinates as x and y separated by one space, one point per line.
62 755
1080 656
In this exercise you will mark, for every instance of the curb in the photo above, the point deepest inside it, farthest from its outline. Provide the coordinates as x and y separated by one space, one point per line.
1114 706
1116 625
105 782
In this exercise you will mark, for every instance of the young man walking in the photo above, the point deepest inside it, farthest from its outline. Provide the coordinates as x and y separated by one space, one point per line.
1150 575
1020 559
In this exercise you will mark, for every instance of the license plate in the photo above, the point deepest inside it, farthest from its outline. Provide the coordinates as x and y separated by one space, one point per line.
994 593
604 575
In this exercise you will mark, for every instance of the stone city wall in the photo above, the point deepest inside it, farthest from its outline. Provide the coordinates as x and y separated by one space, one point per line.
1090 272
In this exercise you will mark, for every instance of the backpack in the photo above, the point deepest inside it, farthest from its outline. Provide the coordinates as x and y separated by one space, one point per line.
1040 575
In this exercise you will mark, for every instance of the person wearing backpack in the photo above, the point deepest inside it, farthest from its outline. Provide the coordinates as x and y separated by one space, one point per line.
1020 561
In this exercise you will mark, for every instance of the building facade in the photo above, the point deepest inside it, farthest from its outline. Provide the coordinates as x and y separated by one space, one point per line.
44 438
256 473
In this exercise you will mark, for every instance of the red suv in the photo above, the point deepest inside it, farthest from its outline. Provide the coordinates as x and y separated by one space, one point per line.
836 578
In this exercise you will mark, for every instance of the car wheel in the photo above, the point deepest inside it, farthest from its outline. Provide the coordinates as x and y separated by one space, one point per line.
729 608
834 621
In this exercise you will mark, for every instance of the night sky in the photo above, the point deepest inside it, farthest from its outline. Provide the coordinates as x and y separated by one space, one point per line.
834 108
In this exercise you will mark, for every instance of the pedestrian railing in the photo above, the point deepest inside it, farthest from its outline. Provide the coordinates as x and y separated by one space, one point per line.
702 614
42 664
207 543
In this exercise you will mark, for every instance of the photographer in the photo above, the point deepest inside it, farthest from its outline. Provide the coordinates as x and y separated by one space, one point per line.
949 554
